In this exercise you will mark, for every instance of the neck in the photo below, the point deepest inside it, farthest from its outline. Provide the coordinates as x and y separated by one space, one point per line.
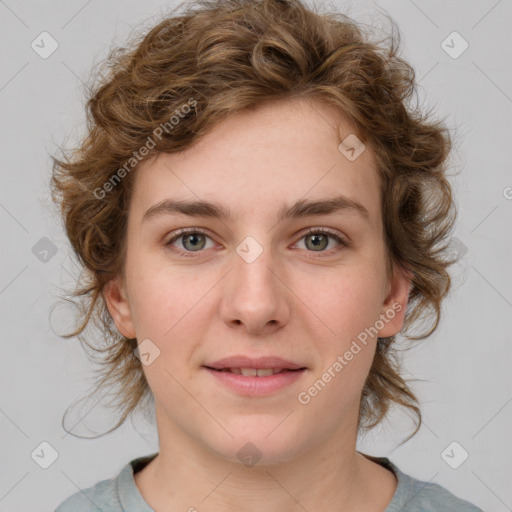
331 475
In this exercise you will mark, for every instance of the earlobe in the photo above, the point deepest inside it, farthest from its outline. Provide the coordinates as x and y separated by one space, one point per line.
119 307
395 304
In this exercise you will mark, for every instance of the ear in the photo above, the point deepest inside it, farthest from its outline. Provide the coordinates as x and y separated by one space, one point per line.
118 306
395 304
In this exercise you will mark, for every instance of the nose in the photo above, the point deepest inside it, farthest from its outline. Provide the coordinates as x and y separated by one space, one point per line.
255 297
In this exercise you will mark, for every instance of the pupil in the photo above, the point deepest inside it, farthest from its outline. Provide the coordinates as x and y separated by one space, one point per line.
194 236
317 242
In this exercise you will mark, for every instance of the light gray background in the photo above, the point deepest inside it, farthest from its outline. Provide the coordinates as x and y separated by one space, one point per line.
466 389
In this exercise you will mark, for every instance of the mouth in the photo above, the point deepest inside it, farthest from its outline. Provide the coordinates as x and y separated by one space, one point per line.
256 382
255 372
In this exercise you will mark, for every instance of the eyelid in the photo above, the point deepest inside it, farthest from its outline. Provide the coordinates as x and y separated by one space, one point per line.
180 232
333 233
329 231
341 239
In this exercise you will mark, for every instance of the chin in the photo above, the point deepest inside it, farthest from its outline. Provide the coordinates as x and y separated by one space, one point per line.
266 444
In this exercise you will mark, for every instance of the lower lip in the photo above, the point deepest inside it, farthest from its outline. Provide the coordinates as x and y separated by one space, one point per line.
257 386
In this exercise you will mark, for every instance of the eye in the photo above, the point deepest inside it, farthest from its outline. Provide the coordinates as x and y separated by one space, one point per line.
193 240
317 239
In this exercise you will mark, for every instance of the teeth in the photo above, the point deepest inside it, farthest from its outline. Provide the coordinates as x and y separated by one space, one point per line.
249 372
253 372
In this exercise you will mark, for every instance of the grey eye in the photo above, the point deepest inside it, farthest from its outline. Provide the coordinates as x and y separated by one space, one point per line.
318 241
192 241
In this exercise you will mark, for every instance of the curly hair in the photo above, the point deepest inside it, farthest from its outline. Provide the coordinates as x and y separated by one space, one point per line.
218 57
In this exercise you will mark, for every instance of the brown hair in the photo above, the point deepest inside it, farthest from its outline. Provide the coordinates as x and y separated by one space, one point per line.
218 57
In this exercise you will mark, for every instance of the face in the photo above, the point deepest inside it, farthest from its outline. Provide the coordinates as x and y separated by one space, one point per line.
303 287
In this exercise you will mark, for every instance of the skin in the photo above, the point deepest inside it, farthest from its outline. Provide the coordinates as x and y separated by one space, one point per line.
294 301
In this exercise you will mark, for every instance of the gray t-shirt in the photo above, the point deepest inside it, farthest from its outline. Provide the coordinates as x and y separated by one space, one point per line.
120 494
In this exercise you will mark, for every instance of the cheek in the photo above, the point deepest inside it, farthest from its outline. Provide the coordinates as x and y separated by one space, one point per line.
174 308
163 297
348 304
348 301
167 310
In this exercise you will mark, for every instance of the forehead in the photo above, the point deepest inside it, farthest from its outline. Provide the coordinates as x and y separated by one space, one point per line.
258 160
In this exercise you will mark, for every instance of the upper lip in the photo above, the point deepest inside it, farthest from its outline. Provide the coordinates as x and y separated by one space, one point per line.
256 362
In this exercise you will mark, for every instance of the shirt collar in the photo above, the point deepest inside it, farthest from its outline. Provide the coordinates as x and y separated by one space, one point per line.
132 501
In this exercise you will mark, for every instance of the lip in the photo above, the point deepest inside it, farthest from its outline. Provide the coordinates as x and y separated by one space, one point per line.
256 386
254 362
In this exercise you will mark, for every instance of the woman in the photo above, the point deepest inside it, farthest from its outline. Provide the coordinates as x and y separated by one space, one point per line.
259 213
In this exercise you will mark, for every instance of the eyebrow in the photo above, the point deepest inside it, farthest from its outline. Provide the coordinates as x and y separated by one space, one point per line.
301 208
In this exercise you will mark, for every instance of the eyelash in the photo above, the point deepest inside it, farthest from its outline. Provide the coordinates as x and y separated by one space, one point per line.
310 231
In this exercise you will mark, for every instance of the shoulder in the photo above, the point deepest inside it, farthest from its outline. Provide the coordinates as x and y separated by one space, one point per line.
102 497
432 496
415 495
118 494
